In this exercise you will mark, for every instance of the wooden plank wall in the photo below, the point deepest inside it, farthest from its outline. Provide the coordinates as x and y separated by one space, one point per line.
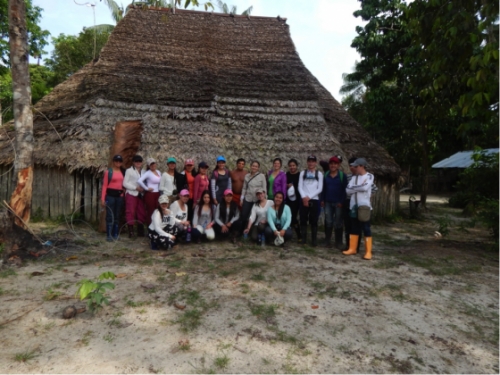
57 192
386 201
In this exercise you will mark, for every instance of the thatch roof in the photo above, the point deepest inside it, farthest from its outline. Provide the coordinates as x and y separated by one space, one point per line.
201 84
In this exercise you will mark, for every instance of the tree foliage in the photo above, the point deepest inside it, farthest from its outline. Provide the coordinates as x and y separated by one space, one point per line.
429 78
72 53
37 38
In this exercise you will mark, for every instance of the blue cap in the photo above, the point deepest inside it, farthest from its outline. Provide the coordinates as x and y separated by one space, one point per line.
221 158
171 160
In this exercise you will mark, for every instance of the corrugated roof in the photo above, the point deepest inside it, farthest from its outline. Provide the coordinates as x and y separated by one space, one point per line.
462 159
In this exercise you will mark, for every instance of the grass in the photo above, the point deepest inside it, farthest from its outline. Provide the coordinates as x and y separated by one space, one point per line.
6 273
258 277
222 362
263 311
25 356
255 265
190 318
85 340
109 338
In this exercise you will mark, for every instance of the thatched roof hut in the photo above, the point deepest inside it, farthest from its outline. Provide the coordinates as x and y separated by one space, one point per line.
193 85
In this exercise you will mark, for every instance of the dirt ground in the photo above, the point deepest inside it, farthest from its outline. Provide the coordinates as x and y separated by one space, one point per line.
422 305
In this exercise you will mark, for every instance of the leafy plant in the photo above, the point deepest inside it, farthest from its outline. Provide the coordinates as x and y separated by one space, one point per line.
444 224
94 291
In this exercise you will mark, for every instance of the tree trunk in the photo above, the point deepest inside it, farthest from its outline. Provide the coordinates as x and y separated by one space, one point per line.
425 167
23 116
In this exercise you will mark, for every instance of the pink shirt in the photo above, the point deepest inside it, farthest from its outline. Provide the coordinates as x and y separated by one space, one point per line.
115 183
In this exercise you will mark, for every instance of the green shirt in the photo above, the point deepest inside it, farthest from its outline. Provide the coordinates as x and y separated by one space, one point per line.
270 194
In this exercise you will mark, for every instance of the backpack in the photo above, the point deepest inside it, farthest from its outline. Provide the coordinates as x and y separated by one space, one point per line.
341 174
315 175
215 174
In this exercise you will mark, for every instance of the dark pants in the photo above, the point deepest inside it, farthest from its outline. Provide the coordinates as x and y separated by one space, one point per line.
256 230
294 208
246 210
333 215
190 210
359 227
310 213
270 234
234 229
114 207
151 204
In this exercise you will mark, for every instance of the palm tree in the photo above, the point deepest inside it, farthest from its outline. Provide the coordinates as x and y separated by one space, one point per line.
224 8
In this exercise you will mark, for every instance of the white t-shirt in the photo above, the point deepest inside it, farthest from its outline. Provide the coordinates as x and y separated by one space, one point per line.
179 214
259 214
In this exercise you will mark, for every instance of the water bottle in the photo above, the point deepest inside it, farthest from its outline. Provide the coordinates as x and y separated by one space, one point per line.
188 234
245 237
263 240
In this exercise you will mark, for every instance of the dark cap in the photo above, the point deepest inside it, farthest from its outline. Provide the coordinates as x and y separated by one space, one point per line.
203 165
117 158
312 157
359 161
352 160
137 158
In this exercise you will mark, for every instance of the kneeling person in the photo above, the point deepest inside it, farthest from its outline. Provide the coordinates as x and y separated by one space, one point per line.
279 219
180 210
163 229
227 217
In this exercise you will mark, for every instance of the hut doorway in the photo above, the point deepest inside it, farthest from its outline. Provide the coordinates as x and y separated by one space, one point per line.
127 141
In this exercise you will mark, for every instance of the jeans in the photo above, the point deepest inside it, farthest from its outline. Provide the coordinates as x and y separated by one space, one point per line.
246 210
358 227
333 215
113 210
270 234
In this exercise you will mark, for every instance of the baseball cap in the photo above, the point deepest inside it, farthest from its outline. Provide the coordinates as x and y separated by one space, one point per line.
228 192
117 158
335 159
312 157
150 161
184 192
203 165
163 199
171 160
137 158
189 162
359 161
221 158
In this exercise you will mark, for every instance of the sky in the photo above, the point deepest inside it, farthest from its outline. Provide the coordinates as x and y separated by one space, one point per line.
322 30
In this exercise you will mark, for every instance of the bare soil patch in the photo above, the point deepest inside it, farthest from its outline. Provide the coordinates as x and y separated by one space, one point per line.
422 305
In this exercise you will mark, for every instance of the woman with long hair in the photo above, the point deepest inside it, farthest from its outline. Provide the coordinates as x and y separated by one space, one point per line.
220 180
258 218
150 182
276 180
163 230
201 183
203 218
112 197
190 173
172 181
253 181
293 200
227 215
134 205
180 210
279 219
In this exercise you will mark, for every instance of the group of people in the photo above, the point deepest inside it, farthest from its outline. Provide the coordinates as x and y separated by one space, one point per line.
192 205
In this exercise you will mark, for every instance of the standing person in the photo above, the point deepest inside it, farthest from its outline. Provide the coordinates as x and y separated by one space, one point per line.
190 173
172 181
163 229
279 218
203 219
346 206
276 180
293 200
237 179
253 181
150 182
333 197
112 197
227 217
310 188
258 218
134 205
220 180
360 188
200 182
180 210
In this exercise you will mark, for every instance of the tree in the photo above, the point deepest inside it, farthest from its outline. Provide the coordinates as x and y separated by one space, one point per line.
71 53
224 8
37 38
20 201
41 80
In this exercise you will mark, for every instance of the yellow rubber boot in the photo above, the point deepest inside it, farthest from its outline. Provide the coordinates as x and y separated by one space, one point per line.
368 248
353 245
